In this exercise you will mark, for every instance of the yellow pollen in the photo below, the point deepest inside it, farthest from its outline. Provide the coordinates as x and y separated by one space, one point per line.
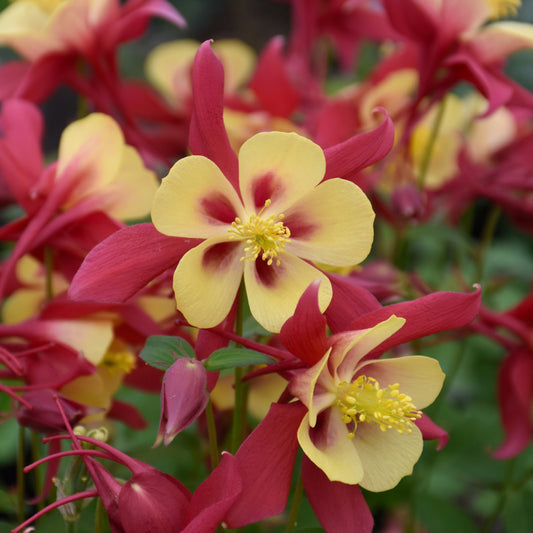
503 8
265 236
118 360
364 401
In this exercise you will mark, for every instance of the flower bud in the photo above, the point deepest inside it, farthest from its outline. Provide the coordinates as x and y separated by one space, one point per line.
408 202
183 398
44 416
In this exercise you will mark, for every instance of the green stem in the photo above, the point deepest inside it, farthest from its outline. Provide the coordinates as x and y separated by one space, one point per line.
37 481
292 520
70 527
99 519
240 398
212 435
21 504
486 239
49 268
424 165
241 390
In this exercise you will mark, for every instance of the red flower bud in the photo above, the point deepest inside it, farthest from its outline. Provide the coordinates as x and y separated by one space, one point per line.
44 416
183 398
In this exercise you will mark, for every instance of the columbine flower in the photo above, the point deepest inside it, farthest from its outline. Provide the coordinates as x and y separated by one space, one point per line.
281 218
360 426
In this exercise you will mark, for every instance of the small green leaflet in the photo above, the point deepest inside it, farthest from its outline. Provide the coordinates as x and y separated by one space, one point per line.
160 351
232 357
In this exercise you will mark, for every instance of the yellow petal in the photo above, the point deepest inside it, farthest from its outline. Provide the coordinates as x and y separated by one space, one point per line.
332 224
92 149
206 281
89 390
419 377
351 347
130 195
91 337
223 394
21 27
303 386
489 134
168 67
386 456
273 291
22 305
393 93
264 390
500 39
195 200
159 308
329 447
278 166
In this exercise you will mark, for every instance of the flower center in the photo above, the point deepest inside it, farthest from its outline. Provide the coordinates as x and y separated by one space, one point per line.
503 8
265 236
364 401
118 359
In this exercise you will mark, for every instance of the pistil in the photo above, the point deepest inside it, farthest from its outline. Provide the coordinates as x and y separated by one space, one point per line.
364 401
265 236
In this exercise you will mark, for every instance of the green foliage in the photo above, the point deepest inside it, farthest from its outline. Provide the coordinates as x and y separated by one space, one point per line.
160 351
233 357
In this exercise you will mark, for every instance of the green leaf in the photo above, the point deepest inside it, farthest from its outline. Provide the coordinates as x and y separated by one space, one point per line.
232 357
160 351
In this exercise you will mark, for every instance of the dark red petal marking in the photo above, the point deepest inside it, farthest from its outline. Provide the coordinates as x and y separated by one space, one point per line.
217 209
299 227
267 275
266 187
218 256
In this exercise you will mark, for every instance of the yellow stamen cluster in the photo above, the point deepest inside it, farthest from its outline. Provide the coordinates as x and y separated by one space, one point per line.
503 8
364 401
265 236
119 360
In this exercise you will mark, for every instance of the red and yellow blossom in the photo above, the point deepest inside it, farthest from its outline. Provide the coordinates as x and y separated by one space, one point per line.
360 425
281 218
35 28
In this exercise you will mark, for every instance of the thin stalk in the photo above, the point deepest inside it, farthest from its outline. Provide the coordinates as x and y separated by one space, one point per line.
21 506
212 435
239 410
292 520
99 518
424 165
49 269
486 240
37 480
70 527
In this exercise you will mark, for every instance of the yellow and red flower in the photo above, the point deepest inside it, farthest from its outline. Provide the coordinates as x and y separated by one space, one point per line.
359 428
281 218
